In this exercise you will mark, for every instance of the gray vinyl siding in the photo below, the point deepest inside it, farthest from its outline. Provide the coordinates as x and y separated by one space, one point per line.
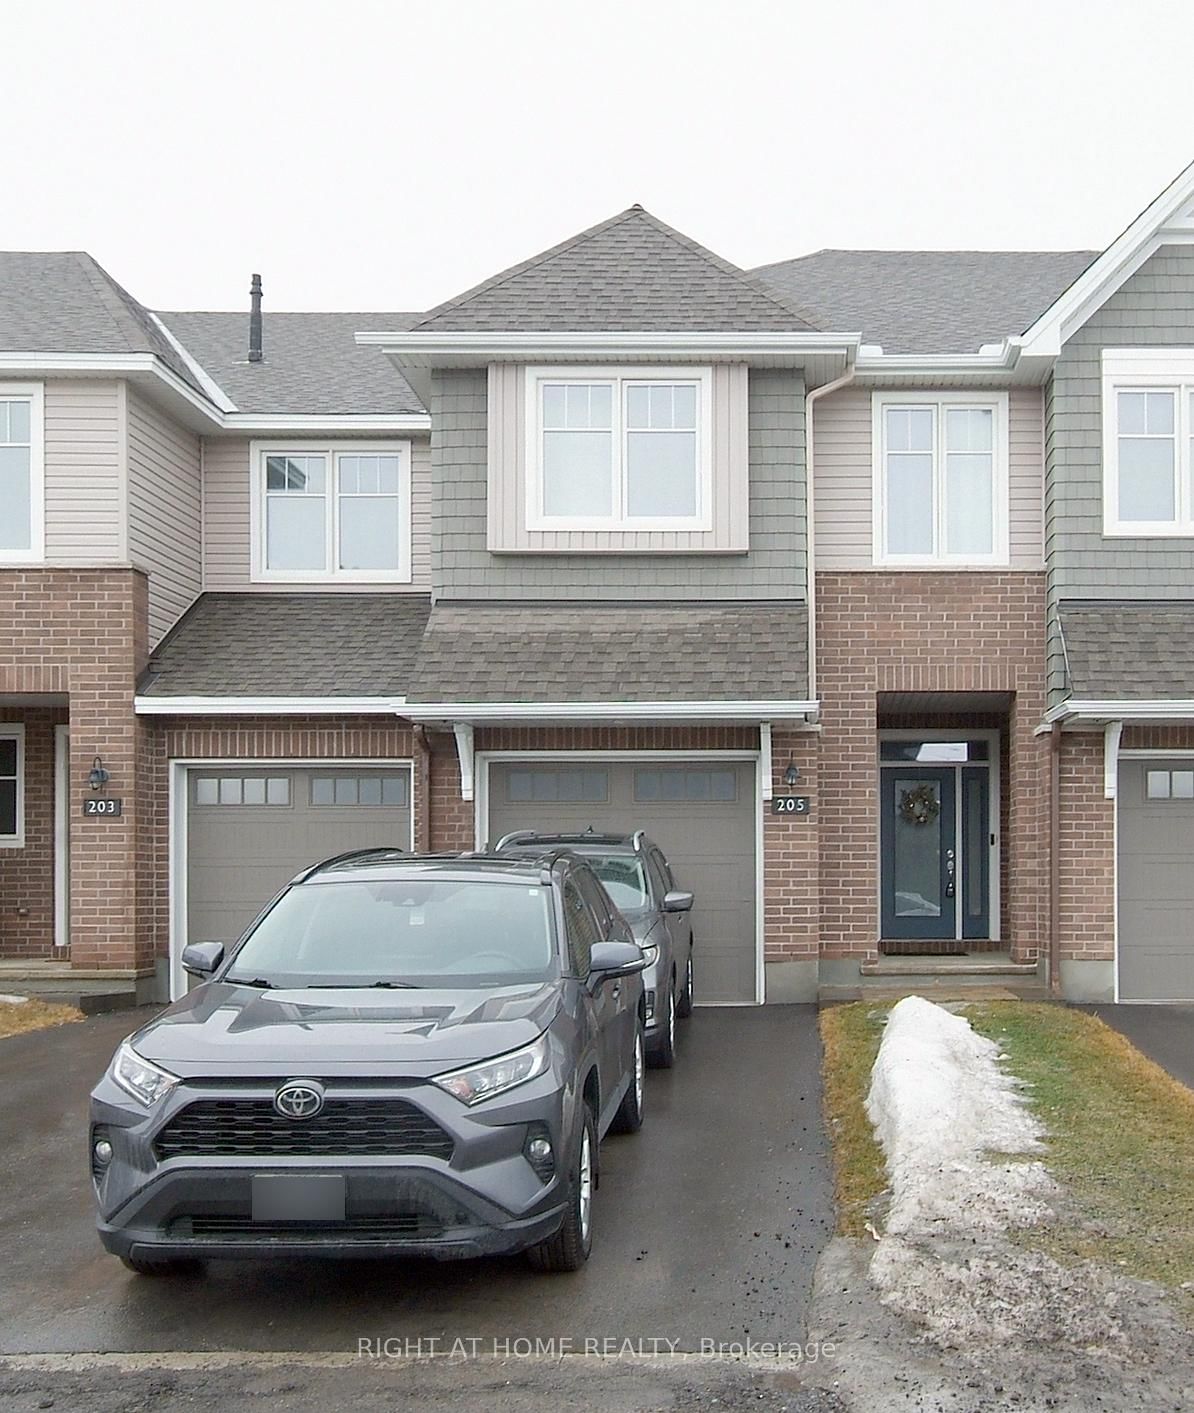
227 526
84 448
1152 309
164 511
507 480
464 568
843 491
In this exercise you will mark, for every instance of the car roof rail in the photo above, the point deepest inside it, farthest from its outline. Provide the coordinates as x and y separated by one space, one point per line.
637 842
516 836
350 855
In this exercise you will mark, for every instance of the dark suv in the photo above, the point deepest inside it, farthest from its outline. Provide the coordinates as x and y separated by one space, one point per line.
402 1055
638 878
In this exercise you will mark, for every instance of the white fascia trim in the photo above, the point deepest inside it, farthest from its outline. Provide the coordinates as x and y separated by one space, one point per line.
1117 263
1152 710
198 372
225 420
482 713
994 358
610 342
267 706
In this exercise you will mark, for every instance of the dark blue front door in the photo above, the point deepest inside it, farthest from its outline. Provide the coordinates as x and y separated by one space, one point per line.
918 841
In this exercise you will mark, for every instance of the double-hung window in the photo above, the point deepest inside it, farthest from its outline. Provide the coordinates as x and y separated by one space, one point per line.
21 473
12 786
940 469
625 449
1148 442
332 513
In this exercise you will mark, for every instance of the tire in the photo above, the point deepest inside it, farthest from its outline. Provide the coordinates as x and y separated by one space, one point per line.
175 1266
568 1249
662 1054
684 1006
629 1118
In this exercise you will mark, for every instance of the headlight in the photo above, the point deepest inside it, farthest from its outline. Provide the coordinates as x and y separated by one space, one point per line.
651 953
479 1082
145 1081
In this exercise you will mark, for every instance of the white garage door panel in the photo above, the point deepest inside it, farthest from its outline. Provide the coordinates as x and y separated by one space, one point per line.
709 840
1156 887
239 856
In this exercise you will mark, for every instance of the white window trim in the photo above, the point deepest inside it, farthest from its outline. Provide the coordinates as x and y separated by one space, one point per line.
260 574
1000 556
15 731
618 376
36 394
1148 370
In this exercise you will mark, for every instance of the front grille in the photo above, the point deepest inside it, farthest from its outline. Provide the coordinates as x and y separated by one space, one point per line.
408 1225
236 1128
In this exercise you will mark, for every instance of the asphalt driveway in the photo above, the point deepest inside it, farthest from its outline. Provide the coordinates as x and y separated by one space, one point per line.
708 1222
1163 1033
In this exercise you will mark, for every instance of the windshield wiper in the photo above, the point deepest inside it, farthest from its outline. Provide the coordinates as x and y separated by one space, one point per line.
361 985
254 981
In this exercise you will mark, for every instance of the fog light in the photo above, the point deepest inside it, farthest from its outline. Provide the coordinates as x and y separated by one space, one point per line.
649 1001
539 1153
103 1152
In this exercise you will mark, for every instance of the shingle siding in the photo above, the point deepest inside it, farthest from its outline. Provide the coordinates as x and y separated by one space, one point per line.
463 567
1152 309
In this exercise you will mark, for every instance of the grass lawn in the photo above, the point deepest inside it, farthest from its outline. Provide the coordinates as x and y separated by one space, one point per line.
33 1015
1121 1132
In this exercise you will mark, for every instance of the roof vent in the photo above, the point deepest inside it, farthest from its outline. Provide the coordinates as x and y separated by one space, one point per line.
255 353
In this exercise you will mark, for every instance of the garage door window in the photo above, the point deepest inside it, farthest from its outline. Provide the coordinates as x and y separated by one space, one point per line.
558 786
680 784
1169 785
359 790
242 790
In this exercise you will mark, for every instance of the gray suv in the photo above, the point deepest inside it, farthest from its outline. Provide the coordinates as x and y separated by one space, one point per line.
638 878
401 1056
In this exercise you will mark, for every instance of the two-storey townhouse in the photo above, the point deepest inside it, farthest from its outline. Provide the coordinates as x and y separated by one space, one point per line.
551 555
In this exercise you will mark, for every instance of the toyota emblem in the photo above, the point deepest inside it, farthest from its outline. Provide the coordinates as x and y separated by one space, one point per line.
299 1098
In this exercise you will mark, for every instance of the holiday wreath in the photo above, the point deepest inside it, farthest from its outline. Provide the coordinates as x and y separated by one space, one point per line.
919 806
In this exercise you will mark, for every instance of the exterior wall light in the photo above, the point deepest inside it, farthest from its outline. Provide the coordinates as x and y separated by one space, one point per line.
792 774
98 777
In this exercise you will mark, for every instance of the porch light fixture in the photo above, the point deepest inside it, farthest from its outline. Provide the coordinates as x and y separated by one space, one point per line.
98 777
792 774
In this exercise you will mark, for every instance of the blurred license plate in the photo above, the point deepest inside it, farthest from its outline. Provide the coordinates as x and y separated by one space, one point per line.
303 1197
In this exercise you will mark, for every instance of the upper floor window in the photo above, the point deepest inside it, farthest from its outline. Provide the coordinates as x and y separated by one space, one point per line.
613 450
21 473
940 479
1148 442
331 512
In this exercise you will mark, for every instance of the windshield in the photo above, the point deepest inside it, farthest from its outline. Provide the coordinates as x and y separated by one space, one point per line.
443 932
623 878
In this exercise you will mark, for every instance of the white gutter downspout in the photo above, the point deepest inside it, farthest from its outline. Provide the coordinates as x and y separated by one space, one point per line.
810 399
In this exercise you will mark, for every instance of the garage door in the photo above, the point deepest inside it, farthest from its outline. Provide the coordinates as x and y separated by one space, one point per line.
701 813
1156 880
250 831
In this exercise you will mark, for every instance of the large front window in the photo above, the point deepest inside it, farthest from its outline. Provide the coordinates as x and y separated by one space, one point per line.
624 450
333 513
940 479
402 933
20 472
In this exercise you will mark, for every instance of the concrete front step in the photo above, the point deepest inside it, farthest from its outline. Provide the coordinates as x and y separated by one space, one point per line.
977 964
91 996
933 989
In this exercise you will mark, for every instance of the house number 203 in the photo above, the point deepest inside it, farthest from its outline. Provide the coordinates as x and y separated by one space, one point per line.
790 804
103 807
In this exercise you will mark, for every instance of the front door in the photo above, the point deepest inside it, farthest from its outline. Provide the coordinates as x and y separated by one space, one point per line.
936 843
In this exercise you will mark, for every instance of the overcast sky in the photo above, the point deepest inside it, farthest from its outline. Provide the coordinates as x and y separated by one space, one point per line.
384 156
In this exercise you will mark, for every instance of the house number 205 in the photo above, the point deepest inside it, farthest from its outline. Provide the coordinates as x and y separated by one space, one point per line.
790 804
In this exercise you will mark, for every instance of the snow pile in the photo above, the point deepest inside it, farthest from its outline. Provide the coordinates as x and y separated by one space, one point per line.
7 1000
940 1105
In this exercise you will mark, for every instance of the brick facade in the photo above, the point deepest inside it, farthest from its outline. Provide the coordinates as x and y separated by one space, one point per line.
904 633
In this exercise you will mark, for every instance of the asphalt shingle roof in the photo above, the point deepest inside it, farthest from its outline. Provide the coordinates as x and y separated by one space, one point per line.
475 652
312 362
290 645
629 273
62 301
926 301
1120 651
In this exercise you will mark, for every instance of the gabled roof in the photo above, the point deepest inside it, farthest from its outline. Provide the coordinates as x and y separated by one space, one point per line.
631 273
312 362
290 645
609 653
1124 651
63 301
927 301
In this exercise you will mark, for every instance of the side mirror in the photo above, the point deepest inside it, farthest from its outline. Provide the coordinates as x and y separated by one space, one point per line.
677 902
610 959
202 958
